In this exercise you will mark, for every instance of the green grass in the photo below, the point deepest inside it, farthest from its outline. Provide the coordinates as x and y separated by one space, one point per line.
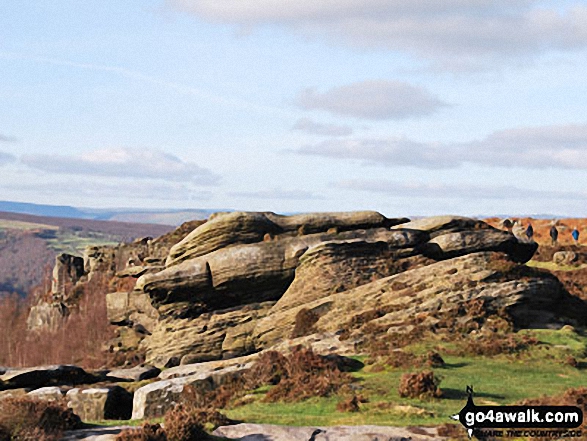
551 266
75 243
496 380
501 380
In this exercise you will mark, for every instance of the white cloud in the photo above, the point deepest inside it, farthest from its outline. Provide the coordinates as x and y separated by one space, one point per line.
464 191
123 163
560 147
314 128
392 152
87 187
453 31
276 194
375 99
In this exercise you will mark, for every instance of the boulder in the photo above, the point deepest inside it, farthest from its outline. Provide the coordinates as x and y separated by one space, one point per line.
155 399
448 245
104 403
202 338
137 373
565 257
532 298
50 393
207 367
41 376
338 266
264 432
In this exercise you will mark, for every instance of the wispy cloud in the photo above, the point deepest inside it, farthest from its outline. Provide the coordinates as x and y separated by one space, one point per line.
452 32
561 146
134 75
4 138
123 162
375 99
309 126
276 194
86 187
6 158
466 191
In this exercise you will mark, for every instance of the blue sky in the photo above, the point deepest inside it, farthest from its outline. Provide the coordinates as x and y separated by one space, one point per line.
405 107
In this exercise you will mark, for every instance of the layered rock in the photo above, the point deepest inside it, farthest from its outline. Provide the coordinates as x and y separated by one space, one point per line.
207 337
224 230
531 298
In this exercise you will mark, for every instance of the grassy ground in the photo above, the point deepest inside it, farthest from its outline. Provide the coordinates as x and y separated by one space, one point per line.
551 266
496 380
503 379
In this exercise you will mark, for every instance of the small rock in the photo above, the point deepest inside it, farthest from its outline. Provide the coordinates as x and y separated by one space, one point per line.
105 403
50 393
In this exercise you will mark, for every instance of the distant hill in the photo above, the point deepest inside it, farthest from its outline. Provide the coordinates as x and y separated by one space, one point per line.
29 243
166 217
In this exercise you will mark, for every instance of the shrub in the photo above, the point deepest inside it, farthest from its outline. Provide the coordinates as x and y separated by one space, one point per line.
298 376
182 424
26 418
348 405
148 432
419 385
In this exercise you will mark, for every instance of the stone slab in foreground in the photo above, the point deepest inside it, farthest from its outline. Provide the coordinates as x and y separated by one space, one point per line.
268 432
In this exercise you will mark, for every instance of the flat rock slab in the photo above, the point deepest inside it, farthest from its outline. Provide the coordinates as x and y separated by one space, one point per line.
268 432
50 393
95 433
137 373
42 376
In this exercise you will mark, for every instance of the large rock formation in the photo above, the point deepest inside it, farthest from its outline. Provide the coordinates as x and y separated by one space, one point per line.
243 281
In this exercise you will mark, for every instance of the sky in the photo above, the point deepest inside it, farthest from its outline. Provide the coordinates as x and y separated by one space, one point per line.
410 108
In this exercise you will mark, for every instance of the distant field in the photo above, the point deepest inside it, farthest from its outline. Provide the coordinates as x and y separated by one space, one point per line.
29 244
6 224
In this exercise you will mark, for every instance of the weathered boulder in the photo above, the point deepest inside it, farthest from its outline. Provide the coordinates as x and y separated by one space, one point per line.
50 393
41 376
207 367
446 246
202 338
532 298
565 257
264 432
137 373
104 403
227 229
338 266
155 399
